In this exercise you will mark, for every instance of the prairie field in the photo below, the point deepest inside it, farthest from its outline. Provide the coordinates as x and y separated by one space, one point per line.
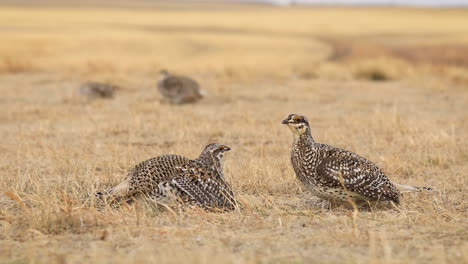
388 83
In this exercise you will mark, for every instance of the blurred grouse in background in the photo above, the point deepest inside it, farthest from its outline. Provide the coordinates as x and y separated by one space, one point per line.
178 89
97 90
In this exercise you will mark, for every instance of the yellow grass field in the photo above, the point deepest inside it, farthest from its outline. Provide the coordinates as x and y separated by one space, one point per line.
388 83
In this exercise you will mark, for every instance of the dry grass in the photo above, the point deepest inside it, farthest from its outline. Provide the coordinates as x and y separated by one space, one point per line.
259 65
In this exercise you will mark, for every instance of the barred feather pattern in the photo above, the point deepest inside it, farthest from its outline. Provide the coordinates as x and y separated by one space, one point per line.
199 183
145 177
336 174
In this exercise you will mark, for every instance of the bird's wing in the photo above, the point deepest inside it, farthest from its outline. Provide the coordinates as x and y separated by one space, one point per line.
172 85
105 90
189 82
204 189
147 174
340 168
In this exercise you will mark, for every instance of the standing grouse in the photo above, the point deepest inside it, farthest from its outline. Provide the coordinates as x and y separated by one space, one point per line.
336 174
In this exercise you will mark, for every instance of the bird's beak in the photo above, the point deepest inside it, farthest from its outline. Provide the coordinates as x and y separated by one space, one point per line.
285 122
225 148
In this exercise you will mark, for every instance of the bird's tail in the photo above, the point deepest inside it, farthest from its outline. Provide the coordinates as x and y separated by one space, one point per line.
120 189
409 188
202 92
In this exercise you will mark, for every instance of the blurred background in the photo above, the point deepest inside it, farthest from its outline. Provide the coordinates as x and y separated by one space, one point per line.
420 3
237 39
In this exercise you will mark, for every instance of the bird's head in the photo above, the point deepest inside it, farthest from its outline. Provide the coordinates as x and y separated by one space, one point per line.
215 152
298 124
164 72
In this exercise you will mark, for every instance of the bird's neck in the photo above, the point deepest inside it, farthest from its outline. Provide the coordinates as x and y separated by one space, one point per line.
162 78
211 161
304 137
216 164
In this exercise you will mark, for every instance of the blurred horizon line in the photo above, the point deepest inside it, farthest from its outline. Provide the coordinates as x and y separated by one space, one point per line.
383 3
311 3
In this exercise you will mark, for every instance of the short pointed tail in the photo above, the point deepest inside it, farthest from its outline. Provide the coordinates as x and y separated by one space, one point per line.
409 188
120 189
202 92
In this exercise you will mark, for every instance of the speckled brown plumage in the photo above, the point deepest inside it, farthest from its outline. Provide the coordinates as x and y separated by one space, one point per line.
198 182
145 176
336 174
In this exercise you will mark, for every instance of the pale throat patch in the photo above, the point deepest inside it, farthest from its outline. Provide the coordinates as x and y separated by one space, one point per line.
218 157
297 129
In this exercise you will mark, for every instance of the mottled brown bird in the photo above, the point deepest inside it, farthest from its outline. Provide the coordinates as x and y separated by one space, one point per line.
166 178
336 174
97 90
178 89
